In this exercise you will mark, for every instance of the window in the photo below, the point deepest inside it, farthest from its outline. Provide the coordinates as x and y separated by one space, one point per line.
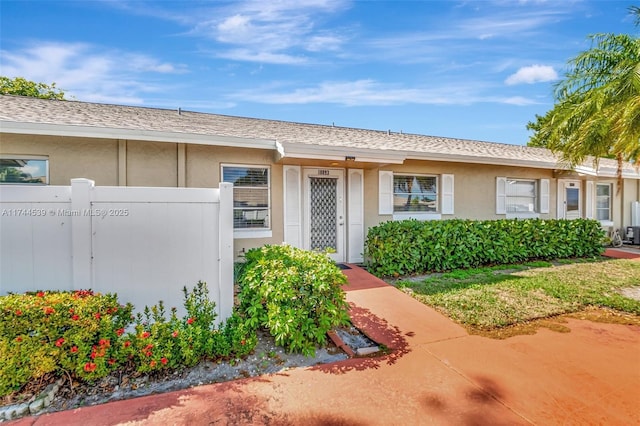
250 196
24 170
521 196
603 201
415 193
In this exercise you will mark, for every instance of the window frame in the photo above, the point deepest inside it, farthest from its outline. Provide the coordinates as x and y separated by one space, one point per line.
609 208
263 232
28 158
541 203
420 215
536 198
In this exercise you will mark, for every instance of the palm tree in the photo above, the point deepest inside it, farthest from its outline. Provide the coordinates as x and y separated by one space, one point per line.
597 114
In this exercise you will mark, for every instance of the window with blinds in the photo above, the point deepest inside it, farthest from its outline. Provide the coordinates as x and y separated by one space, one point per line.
251 195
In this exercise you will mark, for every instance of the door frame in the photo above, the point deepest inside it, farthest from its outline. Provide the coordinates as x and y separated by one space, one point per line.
563 184
325 173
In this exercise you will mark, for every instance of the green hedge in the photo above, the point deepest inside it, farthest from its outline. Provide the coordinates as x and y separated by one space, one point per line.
411 246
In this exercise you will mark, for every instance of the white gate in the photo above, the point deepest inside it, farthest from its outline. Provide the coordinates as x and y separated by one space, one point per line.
145 244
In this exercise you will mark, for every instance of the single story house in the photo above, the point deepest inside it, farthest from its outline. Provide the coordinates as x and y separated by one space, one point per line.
312 186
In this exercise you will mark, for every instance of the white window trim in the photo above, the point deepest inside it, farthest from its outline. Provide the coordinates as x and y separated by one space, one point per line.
240 234
417 216
542 198
523 215
438 196
248 233
608 222
28 157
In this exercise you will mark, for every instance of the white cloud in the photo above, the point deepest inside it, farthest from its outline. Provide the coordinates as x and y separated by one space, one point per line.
363 92
271 32
532 74
87 72
519 101
250 55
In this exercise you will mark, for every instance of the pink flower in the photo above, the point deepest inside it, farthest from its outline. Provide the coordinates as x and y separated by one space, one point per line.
127 344
75 317
145 334
48 310
120 331
74 349
174 334
89 367
190 320
60 342
18 312
164 361
40 294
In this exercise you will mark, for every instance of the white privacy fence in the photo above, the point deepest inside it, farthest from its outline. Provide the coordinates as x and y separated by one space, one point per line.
145 244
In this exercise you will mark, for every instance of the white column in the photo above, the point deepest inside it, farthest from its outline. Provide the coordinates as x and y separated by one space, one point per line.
81 233
225 250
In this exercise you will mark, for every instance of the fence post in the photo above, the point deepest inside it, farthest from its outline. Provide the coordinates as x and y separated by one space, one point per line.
225 250
81 233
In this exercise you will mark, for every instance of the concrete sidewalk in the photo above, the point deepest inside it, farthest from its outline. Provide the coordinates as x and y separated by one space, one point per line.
436 373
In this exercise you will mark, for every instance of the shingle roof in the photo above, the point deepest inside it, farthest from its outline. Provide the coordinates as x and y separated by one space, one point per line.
16 109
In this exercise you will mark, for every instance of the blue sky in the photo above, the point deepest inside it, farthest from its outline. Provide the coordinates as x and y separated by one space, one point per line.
468 69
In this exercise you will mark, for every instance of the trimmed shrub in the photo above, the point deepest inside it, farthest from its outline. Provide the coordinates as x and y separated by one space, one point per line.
295 294
411 246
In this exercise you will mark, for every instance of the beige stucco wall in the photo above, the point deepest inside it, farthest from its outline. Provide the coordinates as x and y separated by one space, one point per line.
69 158
151 164
112 162
203 169
136 163
474 187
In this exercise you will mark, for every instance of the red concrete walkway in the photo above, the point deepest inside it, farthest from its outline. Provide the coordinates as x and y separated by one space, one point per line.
436 373
628 252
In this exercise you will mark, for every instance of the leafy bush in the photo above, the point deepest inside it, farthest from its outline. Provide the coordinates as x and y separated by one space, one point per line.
84 335
295 294
44 332
411 246
160 343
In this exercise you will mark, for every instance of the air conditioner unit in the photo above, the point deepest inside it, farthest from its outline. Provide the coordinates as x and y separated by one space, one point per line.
633 234
635 213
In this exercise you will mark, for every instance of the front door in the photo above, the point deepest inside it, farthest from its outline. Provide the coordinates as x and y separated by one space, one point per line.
324 214
570 200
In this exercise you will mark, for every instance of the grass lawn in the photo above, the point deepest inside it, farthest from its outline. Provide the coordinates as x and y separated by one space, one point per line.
495 297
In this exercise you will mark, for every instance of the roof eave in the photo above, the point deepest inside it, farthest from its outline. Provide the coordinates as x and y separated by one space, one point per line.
131 134
338 153
457 158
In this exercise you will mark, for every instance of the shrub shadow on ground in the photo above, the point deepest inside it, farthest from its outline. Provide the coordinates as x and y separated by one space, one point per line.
392 341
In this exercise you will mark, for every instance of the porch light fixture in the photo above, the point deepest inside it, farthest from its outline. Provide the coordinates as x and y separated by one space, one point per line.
350 158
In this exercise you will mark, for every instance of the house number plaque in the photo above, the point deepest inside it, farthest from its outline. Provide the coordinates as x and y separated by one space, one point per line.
323 172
